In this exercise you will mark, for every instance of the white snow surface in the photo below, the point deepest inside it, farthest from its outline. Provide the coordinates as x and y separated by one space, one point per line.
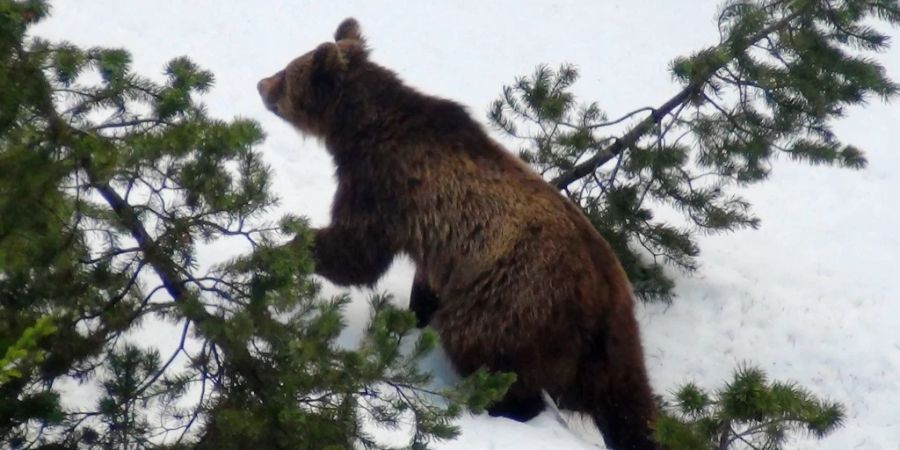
812 296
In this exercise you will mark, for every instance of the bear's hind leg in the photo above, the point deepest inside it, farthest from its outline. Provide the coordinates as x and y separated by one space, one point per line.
423 301
520 403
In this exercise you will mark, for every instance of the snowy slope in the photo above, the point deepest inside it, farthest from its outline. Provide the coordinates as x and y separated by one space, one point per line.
812 296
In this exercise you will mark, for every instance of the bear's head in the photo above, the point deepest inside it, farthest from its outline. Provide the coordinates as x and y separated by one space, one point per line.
314 87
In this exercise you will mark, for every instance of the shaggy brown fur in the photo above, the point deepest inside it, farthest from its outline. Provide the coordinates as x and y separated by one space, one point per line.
526 283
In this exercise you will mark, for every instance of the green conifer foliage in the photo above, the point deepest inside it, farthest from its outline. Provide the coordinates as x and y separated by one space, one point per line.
748 412
782 72
107 190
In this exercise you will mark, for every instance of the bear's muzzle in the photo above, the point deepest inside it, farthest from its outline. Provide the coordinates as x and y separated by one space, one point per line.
270 90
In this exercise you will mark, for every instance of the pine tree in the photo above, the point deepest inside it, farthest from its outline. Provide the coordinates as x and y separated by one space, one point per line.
107 190
748 412
783 70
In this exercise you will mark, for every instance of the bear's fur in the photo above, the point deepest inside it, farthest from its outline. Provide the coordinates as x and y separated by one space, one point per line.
525 282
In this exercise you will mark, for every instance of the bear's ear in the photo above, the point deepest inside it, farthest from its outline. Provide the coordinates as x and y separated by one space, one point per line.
349 29
327 58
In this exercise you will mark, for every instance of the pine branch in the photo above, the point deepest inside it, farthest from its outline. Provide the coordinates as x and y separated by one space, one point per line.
162 370
165 268
613 122
645 126
130 123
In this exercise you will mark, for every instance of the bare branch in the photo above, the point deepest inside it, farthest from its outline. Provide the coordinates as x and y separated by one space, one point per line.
111 254
164 367
129 123
621 119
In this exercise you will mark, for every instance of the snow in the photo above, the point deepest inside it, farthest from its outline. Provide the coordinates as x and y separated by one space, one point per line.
811 296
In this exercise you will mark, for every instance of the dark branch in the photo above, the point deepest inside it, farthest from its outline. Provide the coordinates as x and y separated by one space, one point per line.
129 123
645 126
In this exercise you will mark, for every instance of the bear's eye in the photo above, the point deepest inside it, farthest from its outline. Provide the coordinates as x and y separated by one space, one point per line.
296 87
290 74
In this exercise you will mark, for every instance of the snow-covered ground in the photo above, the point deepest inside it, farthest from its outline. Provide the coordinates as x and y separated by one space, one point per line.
811 296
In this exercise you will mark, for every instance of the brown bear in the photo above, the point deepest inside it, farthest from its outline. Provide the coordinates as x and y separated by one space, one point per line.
525 282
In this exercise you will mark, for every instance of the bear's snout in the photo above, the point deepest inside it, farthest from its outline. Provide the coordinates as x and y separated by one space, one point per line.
269 89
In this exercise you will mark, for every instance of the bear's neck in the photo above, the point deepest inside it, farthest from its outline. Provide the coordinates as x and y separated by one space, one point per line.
391 116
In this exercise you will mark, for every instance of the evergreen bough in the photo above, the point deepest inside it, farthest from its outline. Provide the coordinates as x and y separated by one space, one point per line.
781 73
748 412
